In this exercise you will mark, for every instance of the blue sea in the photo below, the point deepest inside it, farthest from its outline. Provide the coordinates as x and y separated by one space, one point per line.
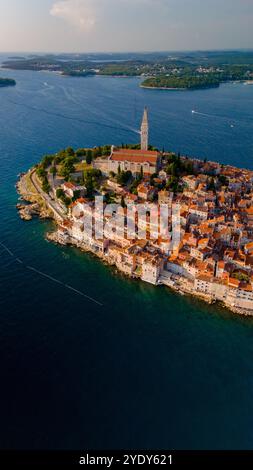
147 368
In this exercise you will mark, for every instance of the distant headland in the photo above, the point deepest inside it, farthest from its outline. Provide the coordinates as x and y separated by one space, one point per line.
160 70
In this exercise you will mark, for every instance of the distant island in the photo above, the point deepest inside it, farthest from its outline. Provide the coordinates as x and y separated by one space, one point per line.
78 73
181 83
192 70
7 82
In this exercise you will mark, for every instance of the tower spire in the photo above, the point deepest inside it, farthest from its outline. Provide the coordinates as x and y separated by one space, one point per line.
144 130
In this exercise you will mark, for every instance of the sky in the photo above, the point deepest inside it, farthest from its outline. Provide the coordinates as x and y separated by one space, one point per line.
124 25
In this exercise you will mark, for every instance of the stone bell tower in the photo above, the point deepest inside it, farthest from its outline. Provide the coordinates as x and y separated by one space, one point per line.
144 130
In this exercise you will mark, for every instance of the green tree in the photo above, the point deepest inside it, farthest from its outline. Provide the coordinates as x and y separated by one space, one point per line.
172 184
76 195
89 157
106 150
96 153
241 277
109 198
81 152
223 180
70 151
41 172
53 171
89 184
46 161
123 204
211 184
172 169
112 174
123 177
59 193
45 186
67 201
67 167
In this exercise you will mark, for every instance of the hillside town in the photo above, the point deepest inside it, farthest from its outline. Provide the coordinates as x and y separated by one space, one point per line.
210 209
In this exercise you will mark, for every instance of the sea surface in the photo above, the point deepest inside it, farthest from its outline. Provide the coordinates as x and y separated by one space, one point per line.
143 367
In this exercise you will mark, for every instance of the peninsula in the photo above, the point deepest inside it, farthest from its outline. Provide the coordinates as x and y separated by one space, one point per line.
207 207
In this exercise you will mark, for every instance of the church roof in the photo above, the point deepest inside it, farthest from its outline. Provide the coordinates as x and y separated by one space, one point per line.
135 156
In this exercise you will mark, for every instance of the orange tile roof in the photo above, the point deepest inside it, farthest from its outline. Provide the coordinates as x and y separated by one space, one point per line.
246 287
205 277
203 241
135 156
221 264
249 246
69 185
234 282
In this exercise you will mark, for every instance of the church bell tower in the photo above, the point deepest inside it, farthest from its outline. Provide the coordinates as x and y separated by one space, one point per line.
144 131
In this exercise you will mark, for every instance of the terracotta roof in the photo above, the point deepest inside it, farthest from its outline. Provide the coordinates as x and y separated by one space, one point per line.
246 287
221 264
203 241
135 156
249 246
67 223
234 282
132 197
143 189
69 185
207 277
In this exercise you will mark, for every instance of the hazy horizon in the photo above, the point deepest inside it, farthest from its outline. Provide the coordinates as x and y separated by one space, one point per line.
113 26
137 51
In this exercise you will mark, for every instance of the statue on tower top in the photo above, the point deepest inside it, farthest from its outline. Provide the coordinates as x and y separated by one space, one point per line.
144 130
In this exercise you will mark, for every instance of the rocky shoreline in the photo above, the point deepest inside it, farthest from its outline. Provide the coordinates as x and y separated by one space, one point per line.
162 88
32 205
28 211
180 287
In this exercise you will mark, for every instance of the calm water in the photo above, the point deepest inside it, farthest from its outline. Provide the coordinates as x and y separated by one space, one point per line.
149 368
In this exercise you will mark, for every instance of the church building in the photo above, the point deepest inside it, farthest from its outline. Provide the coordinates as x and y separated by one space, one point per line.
133 160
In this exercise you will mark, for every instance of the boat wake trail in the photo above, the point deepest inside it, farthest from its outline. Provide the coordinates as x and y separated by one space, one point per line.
50 87
204 114
215 116
7 249
47 276
73 118
229 121
116 124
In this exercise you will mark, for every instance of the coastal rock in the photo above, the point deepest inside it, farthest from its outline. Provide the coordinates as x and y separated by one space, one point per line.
27 212
56 238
